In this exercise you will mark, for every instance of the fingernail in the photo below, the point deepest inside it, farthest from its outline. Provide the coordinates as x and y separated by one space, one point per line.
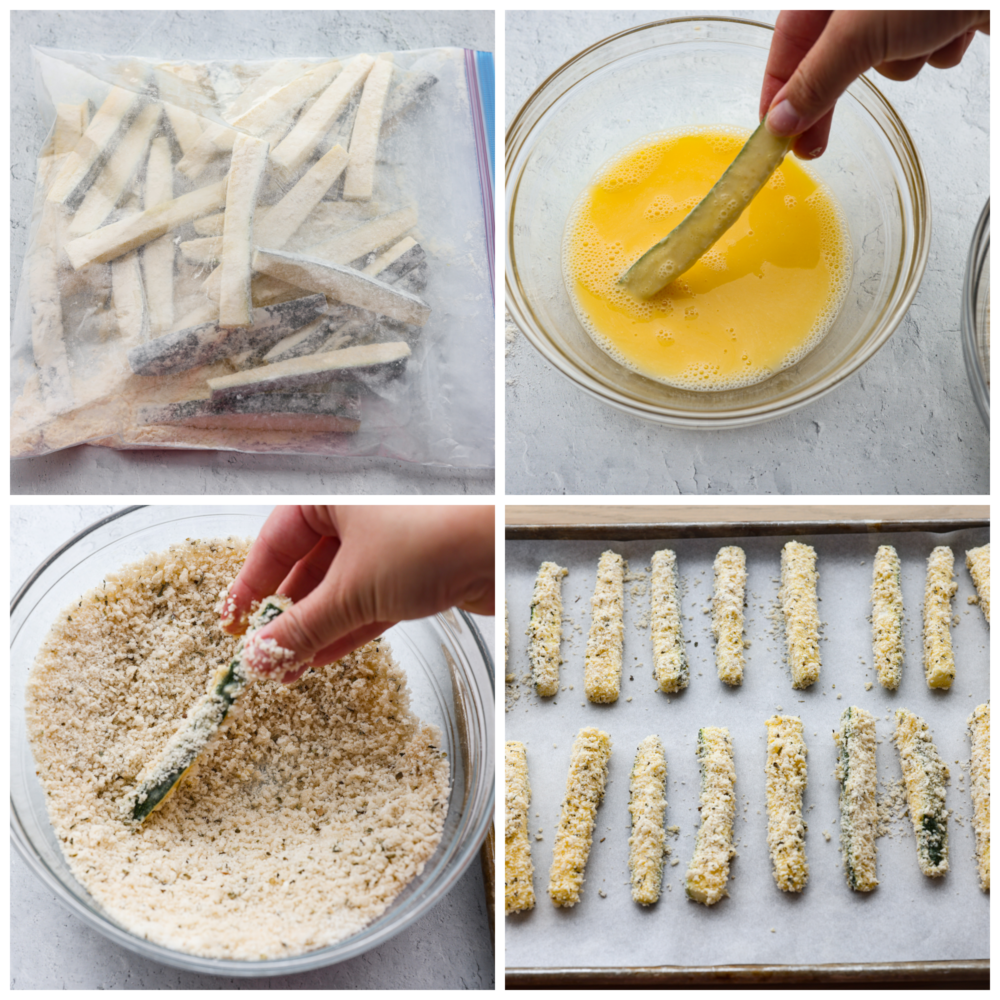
783 119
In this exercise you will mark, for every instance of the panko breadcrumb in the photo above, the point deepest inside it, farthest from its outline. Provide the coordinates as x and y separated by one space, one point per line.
305 817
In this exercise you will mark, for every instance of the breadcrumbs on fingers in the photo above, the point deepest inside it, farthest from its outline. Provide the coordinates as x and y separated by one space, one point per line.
518 869
979 729
939 660
669 659
646 806
925 776
545 630
857 774
708 872
603 664
786 783
588 773
978 562
798 603
727 613
887 617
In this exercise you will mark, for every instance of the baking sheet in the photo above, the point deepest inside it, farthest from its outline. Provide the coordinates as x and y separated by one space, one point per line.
909 917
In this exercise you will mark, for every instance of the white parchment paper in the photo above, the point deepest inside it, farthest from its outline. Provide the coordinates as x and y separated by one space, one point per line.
909 917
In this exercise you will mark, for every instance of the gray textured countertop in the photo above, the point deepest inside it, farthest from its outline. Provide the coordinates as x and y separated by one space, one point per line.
50 948
205 34
906 423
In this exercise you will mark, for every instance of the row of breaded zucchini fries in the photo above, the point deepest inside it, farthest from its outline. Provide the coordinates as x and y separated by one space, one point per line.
798 599
924 775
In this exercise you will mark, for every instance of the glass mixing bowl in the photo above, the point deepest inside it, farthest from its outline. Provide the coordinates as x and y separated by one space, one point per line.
701 71
976 315
450 673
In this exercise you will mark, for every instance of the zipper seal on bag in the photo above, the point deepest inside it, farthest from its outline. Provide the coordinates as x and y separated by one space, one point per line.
479 74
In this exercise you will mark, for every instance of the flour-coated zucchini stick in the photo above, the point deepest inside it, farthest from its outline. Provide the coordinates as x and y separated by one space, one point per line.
727 613
588 773
798 602
887 617
979 730
359 180
708 872
925 776
603 663
939 660
647 803
669 659
786 783
519 890
545 628
857 774
978 562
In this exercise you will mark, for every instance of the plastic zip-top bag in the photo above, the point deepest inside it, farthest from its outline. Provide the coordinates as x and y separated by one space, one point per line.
291 256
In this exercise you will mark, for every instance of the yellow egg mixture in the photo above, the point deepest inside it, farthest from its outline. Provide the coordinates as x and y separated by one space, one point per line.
755 303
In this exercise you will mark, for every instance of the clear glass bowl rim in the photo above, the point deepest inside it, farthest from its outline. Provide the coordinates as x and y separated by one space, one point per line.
975 271
527 119
351 947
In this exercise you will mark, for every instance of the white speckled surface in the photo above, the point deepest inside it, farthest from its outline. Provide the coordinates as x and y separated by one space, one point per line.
50 948
197 34
906 423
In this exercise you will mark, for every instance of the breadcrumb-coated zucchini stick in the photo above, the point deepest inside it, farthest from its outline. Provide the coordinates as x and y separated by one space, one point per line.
727 613
978 562
588 773
518 869
857 774
979 729
798 602
925 775
786 783
545 628
669 658
708 872
887 617
647 803
603 663
939 660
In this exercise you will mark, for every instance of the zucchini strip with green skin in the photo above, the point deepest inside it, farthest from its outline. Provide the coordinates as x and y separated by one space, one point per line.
979 729
939 659
925 775
857 774
786 772
647 804
202 723
669 659
711 217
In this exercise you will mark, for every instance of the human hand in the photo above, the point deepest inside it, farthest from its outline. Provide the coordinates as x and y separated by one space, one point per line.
816 54
353 571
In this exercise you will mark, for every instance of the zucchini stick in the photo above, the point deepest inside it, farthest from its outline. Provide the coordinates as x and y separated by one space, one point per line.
925 776
857 774
603 663
727 613
519 889
545 628
647 804
201 724
887 617
978 562
979 729
798 602
669 660
708 872
359 181
939 660
786 784
588 773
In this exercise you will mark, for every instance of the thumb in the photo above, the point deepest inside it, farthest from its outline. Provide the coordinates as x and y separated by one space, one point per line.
284 648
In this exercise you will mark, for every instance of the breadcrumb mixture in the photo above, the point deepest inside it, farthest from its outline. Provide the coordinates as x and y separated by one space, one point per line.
305 817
